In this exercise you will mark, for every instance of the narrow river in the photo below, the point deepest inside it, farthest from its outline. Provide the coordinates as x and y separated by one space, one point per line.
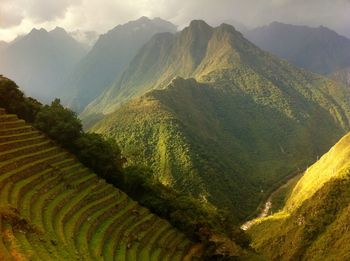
268 204
263 213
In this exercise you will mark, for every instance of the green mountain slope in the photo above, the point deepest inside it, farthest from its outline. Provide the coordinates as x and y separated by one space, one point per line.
314 222
40 61
108 58
251 121
245 122
53 208
320 50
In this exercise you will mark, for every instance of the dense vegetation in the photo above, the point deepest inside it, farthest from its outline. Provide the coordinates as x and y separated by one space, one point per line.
15 102
315 219
54 208
227 137
104 158
62 125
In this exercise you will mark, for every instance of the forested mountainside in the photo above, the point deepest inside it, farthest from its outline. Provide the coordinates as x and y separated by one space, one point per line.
314 223
40 61
244 122
320 50
108 58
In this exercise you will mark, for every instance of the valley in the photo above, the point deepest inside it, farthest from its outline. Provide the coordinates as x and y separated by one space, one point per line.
205 131
275 201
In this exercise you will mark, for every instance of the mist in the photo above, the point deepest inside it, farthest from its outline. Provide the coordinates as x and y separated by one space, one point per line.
20 16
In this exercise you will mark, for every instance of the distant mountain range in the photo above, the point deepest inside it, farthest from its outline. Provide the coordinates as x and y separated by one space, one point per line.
108 58
320 50
246 119
40 61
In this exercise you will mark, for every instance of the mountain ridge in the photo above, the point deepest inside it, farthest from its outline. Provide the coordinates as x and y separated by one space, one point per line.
40 60
224 119
318 49
108 57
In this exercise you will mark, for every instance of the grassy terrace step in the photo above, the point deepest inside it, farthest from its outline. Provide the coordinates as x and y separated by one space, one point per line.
14 163
149 242
110 244
105 217
17 152
40 201
89 217
53 206
28 169
7 118
12 124
80 212
4 253
19 136
84 195
18 130
12 145
2 111
79 216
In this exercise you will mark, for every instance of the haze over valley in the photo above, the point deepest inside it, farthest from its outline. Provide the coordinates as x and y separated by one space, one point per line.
148 131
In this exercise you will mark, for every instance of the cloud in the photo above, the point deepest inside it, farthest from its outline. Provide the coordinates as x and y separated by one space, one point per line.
102 15
10 15
46 10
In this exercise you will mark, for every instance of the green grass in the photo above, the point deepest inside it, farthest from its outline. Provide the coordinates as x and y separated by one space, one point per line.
53 208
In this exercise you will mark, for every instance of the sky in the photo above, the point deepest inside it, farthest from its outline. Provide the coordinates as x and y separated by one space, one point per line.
20 16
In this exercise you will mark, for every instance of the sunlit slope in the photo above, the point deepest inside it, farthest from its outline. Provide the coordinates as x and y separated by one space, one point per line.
314 223
334 164
244 122
217 143
53 208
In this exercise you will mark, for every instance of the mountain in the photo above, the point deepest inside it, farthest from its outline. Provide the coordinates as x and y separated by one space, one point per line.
320 50
54 208
40 61
110 55
244 122
237 25
314 222
342 76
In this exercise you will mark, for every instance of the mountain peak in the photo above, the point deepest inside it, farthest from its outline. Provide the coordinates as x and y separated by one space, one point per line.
35 31
143 19
227 28
58 30
199 24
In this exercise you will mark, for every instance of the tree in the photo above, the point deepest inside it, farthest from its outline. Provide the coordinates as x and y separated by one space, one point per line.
59 123
102 156
14 101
